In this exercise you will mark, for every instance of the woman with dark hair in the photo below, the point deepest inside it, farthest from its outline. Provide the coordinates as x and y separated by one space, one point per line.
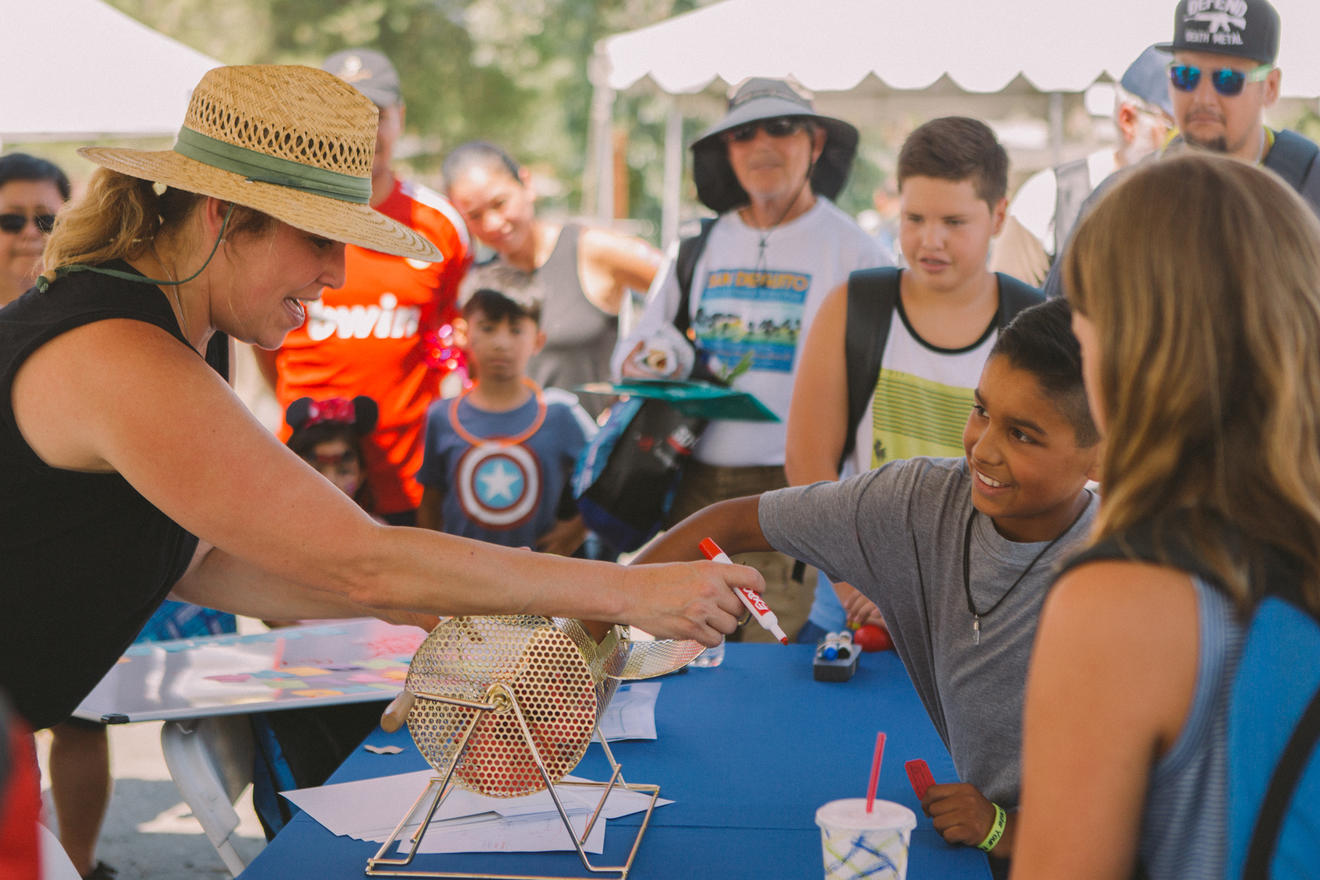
32 191
584 272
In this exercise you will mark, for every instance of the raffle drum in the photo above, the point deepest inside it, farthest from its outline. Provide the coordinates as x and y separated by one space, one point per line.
506 706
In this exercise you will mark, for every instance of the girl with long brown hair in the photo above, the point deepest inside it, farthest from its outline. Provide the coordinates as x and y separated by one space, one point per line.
1196 291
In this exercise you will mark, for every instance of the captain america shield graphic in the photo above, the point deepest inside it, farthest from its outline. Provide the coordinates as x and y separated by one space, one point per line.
498 486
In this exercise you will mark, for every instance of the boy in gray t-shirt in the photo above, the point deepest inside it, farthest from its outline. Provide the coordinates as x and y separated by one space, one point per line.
957 554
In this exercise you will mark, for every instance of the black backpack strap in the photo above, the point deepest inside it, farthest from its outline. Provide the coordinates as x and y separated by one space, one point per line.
1014 296
872 296
1072 184
872 299
1293 157
1287 773
685 265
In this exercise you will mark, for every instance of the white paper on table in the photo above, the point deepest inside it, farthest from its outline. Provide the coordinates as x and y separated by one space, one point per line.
631 713
369 809
531 833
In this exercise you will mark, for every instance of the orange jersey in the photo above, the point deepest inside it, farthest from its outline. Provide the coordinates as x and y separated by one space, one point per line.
367 338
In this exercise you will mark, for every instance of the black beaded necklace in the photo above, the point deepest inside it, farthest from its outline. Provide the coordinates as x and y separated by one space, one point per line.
967 570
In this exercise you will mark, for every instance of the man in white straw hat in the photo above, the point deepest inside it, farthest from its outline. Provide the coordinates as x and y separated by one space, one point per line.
383 331
769 168
129 469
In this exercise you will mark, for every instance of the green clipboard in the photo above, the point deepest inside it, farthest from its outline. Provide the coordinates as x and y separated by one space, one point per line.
697 399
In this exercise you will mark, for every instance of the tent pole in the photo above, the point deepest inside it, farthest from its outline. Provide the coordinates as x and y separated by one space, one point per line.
673 173
601 146
1056 128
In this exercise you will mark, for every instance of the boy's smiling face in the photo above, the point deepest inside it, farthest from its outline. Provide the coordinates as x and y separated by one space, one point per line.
945 230
1027 469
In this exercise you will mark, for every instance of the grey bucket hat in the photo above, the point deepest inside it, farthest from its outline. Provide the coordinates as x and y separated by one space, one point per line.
762 98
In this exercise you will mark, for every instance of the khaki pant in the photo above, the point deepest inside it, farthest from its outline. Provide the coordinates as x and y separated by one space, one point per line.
701 486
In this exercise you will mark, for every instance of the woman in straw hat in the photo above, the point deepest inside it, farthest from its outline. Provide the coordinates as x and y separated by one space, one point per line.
120 439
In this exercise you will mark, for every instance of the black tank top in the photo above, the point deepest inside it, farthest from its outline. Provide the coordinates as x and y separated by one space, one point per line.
84 558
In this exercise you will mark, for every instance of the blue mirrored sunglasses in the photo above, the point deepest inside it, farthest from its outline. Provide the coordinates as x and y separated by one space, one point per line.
1227 81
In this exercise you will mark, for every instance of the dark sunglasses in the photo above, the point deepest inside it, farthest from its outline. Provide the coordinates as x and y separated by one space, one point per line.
1227 81
15 223
777 127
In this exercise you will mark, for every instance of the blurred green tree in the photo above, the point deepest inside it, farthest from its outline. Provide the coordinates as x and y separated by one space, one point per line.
510 71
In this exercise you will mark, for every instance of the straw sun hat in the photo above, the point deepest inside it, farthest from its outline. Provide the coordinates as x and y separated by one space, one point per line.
292 142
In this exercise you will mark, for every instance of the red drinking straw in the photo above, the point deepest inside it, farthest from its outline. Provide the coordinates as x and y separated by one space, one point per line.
875 770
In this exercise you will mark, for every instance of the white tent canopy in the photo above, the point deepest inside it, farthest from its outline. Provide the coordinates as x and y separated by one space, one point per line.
900 50
83 70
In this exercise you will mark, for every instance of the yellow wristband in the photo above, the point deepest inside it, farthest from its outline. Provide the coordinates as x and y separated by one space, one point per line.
996 830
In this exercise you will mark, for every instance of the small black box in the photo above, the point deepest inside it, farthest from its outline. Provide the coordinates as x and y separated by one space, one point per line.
841 668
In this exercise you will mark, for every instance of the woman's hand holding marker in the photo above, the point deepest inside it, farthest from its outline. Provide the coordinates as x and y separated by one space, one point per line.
752 599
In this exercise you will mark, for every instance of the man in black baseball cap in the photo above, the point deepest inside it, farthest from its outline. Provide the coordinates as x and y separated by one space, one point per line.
1221 80
1223 75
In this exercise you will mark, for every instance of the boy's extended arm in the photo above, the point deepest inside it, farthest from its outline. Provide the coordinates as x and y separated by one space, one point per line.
733 524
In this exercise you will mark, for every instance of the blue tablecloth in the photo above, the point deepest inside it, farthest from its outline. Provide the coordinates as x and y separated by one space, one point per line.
747 751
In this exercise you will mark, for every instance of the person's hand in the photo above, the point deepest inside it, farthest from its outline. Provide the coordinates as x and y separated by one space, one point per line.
687 600
961 814
564 537
396 713
634 368
858 609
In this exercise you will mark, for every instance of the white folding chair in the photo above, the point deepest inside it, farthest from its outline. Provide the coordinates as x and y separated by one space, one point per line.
210 760
55 862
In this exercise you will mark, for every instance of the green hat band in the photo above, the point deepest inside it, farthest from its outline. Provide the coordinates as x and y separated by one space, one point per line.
272 169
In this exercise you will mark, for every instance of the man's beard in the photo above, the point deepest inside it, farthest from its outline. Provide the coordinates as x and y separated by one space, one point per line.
1215 144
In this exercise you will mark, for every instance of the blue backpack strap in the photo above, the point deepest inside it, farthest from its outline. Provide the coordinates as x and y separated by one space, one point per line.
1274 724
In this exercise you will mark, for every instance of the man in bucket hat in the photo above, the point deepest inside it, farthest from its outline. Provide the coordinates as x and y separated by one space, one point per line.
1222 79
769 168
381 333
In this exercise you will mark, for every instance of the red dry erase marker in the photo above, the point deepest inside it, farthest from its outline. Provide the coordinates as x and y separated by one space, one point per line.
749 597
918 772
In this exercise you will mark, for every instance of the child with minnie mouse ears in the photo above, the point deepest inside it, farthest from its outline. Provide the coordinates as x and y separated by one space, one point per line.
299 748
327 434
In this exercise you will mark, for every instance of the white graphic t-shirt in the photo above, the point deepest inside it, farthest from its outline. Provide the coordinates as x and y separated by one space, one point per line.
757 303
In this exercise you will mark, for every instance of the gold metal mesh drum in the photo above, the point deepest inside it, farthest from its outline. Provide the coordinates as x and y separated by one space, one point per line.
559 676
506 706
544 670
